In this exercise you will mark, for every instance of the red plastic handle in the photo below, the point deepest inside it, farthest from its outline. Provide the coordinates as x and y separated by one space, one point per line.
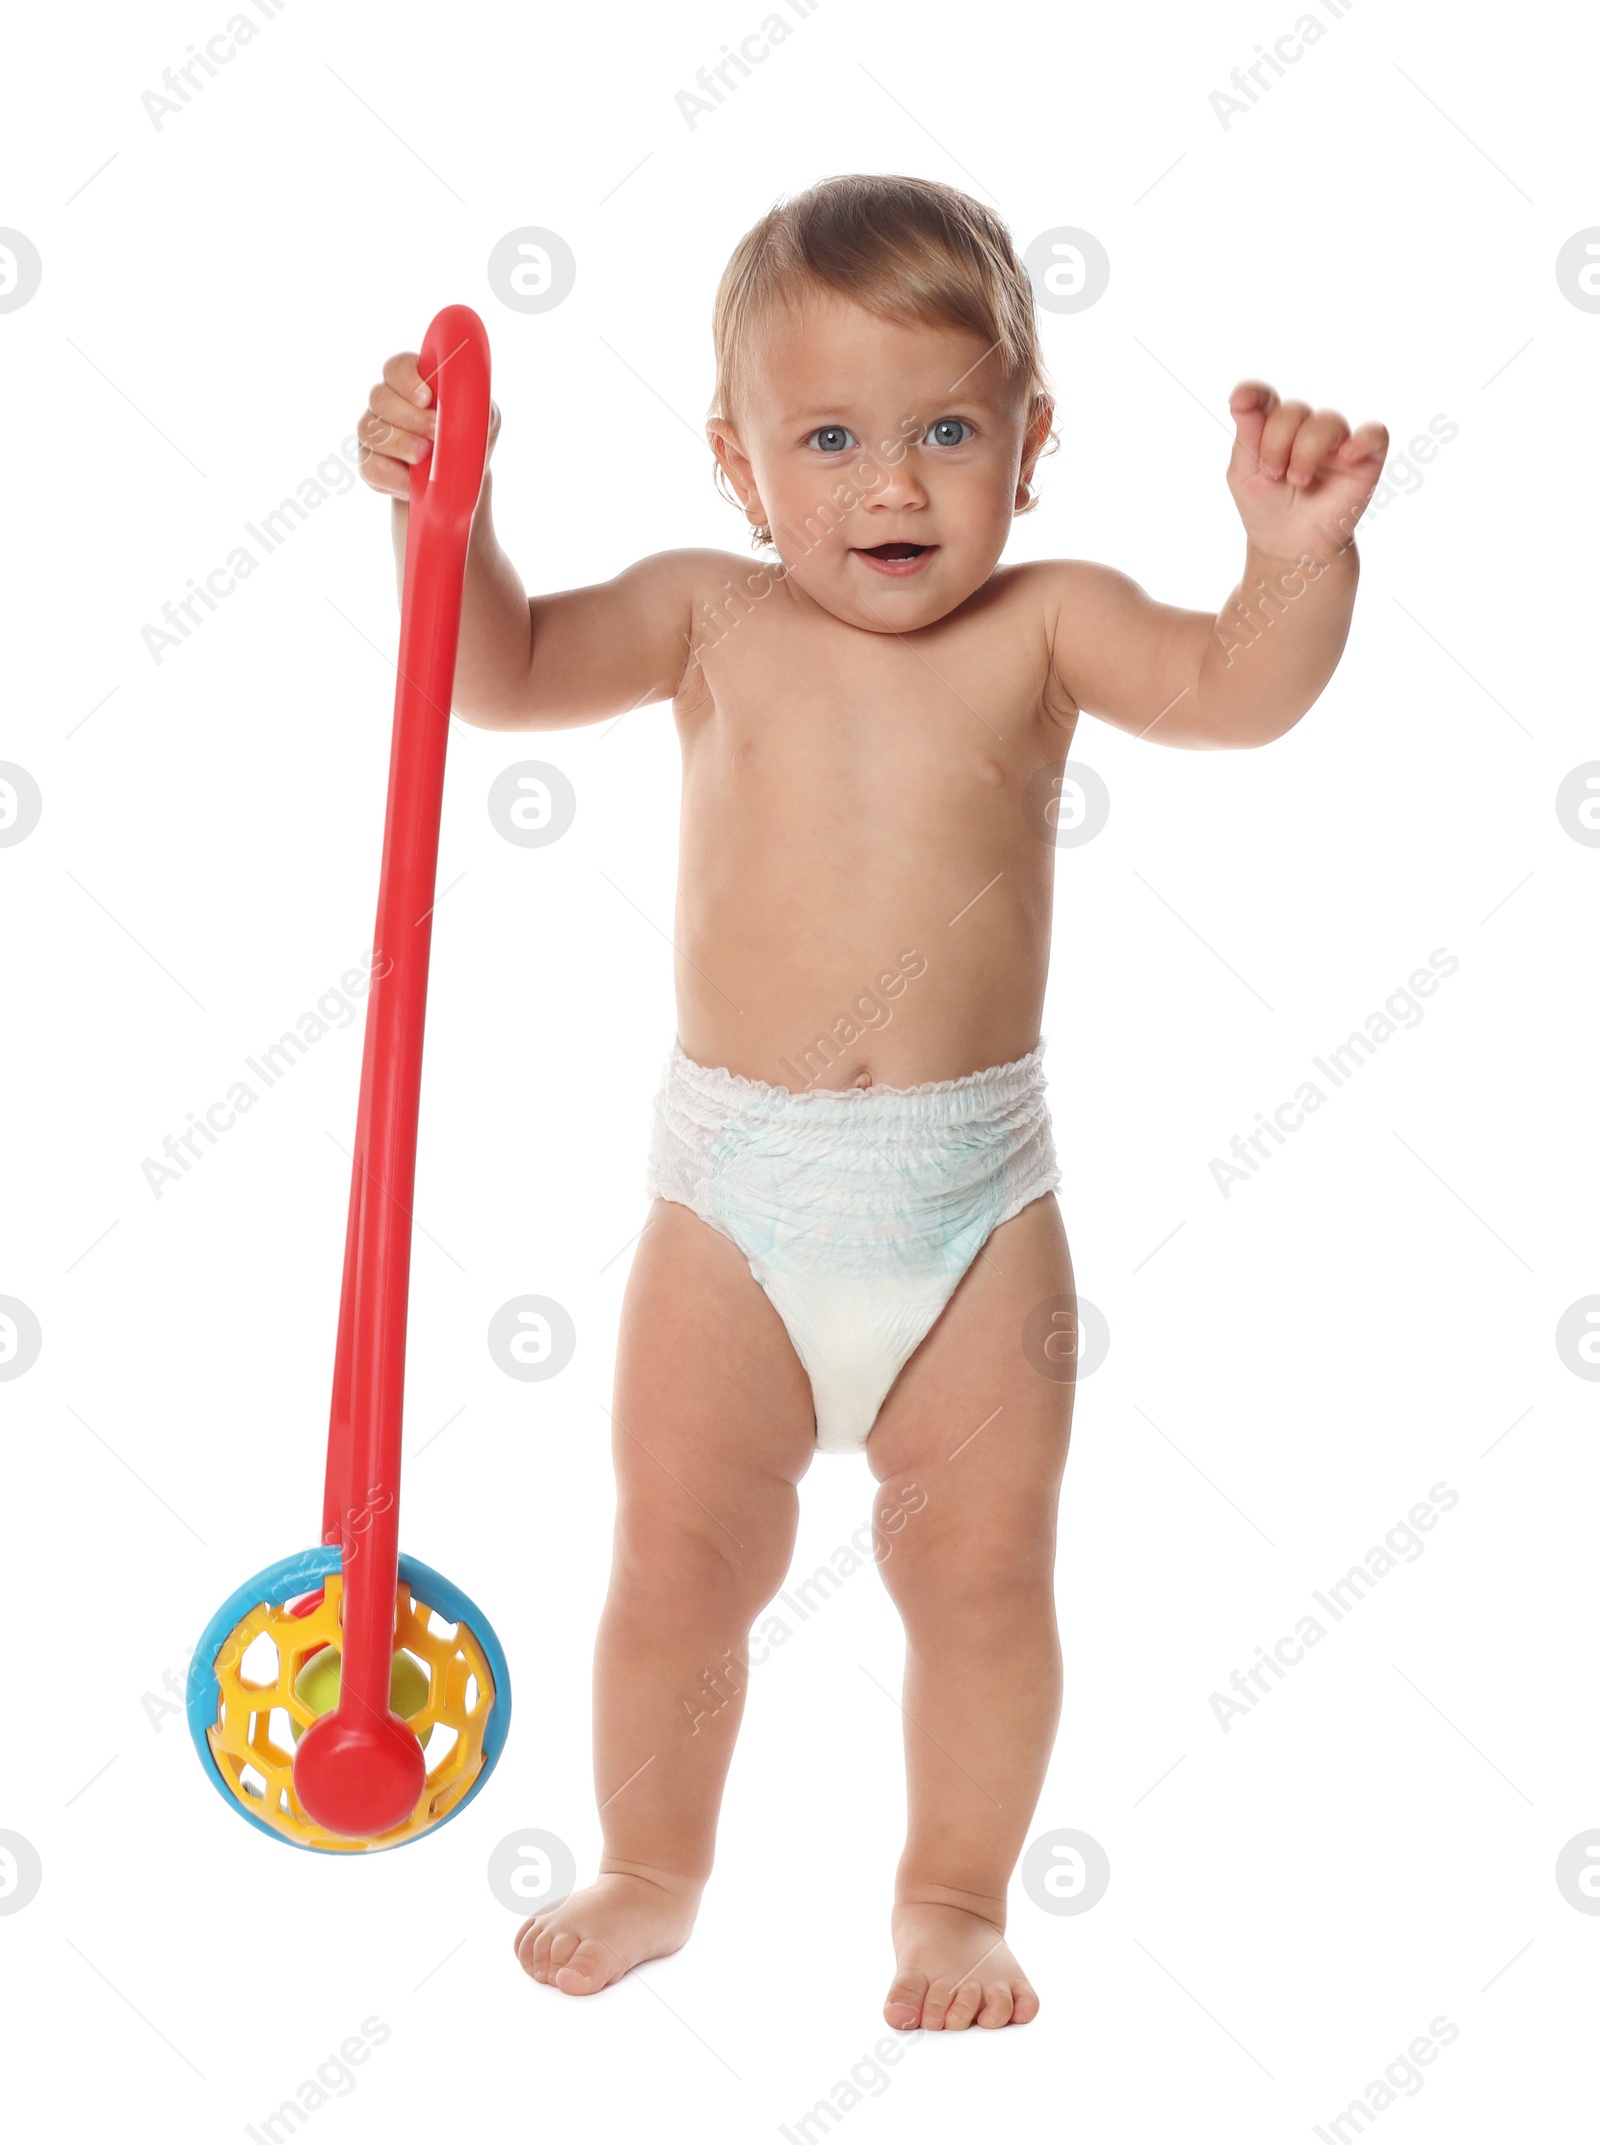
359 1770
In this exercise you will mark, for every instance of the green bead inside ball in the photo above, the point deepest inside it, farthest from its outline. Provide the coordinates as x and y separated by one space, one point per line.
317 1685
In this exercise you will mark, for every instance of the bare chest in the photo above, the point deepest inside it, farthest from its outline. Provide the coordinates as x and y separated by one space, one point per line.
843 718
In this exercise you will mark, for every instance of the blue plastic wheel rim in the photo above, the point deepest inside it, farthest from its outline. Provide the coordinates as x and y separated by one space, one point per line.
302 1574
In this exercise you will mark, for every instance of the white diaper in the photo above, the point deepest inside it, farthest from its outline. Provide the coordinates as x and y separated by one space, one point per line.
858 1208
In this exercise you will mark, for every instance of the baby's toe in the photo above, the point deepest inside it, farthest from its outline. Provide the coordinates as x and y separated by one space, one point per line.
1024 2002
526 1942
584 1970
996 2004
963 2006
904 2005
936 2003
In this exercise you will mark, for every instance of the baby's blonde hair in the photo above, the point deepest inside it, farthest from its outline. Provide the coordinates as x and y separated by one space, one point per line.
909 250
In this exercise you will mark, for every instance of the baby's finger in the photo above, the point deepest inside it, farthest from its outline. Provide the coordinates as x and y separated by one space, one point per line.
384 474
1277 436
1369 442
402 417
391 426
1317 438
1251 404
403 374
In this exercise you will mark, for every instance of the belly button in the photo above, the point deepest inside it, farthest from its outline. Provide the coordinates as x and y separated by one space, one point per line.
862 1078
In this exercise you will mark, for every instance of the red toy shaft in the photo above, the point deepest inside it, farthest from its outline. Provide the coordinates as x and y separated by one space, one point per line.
350 1784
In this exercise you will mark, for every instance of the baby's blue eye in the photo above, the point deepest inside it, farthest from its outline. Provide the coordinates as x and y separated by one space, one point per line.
950 432
831 439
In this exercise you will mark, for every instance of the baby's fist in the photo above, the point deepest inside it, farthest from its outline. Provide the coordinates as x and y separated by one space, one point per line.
1299 477
396 428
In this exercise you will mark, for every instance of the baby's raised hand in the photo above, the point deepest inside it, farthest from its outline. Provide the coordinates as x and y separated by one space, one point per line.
396 427
1299 477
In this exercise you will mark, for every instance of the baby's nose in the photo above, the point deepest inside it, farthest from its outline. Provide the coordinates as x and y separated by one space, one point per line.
901 486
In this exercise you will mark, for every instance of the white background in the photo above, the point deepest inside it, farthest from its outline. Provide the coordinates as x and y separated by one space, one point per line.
1292 1370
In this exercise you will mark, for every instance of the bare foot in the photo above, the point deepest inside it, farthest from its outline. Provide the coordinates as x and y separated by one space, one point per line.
954 1969
595 1935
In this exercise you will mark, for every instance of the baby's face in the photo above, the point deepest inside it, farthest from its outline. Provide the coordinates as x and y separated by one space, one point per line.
886 460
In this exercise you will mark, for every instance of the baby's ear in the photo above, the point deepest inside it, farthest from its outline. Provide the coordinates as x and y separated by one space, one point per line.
724 442
1041 439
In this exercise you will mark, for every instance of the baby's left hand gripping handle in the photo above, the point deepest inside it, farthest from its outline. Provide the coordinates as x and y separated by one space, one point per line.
454 361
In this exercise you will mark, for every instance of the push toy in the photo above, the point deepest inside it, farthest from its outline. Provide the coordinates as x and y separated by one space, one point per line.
347 1697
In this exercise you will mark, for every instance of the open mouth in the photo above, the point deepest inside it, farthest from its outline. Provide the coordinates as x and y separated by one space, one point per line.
899 558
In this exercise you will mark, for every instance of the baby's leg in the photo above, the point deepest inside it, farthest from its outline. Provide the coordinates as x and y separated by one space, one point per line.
971 1572
712 1429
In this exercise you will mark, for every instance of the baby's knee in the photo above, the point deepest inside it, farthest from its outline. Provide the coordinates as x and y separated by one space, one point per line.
664 1557
970 1576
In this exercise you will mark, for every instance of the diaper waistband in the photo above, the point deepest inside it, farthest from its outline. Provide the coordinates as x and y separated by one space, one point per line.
857 1180
975 1097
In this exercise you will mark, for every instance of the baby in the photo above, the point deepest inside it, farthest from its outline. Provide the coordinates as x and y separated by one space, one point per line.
853 1244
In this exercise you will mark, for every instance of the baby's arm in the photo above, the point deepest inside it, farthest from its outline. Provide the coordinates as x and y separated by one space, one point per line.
1246 674
576 656
573 657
